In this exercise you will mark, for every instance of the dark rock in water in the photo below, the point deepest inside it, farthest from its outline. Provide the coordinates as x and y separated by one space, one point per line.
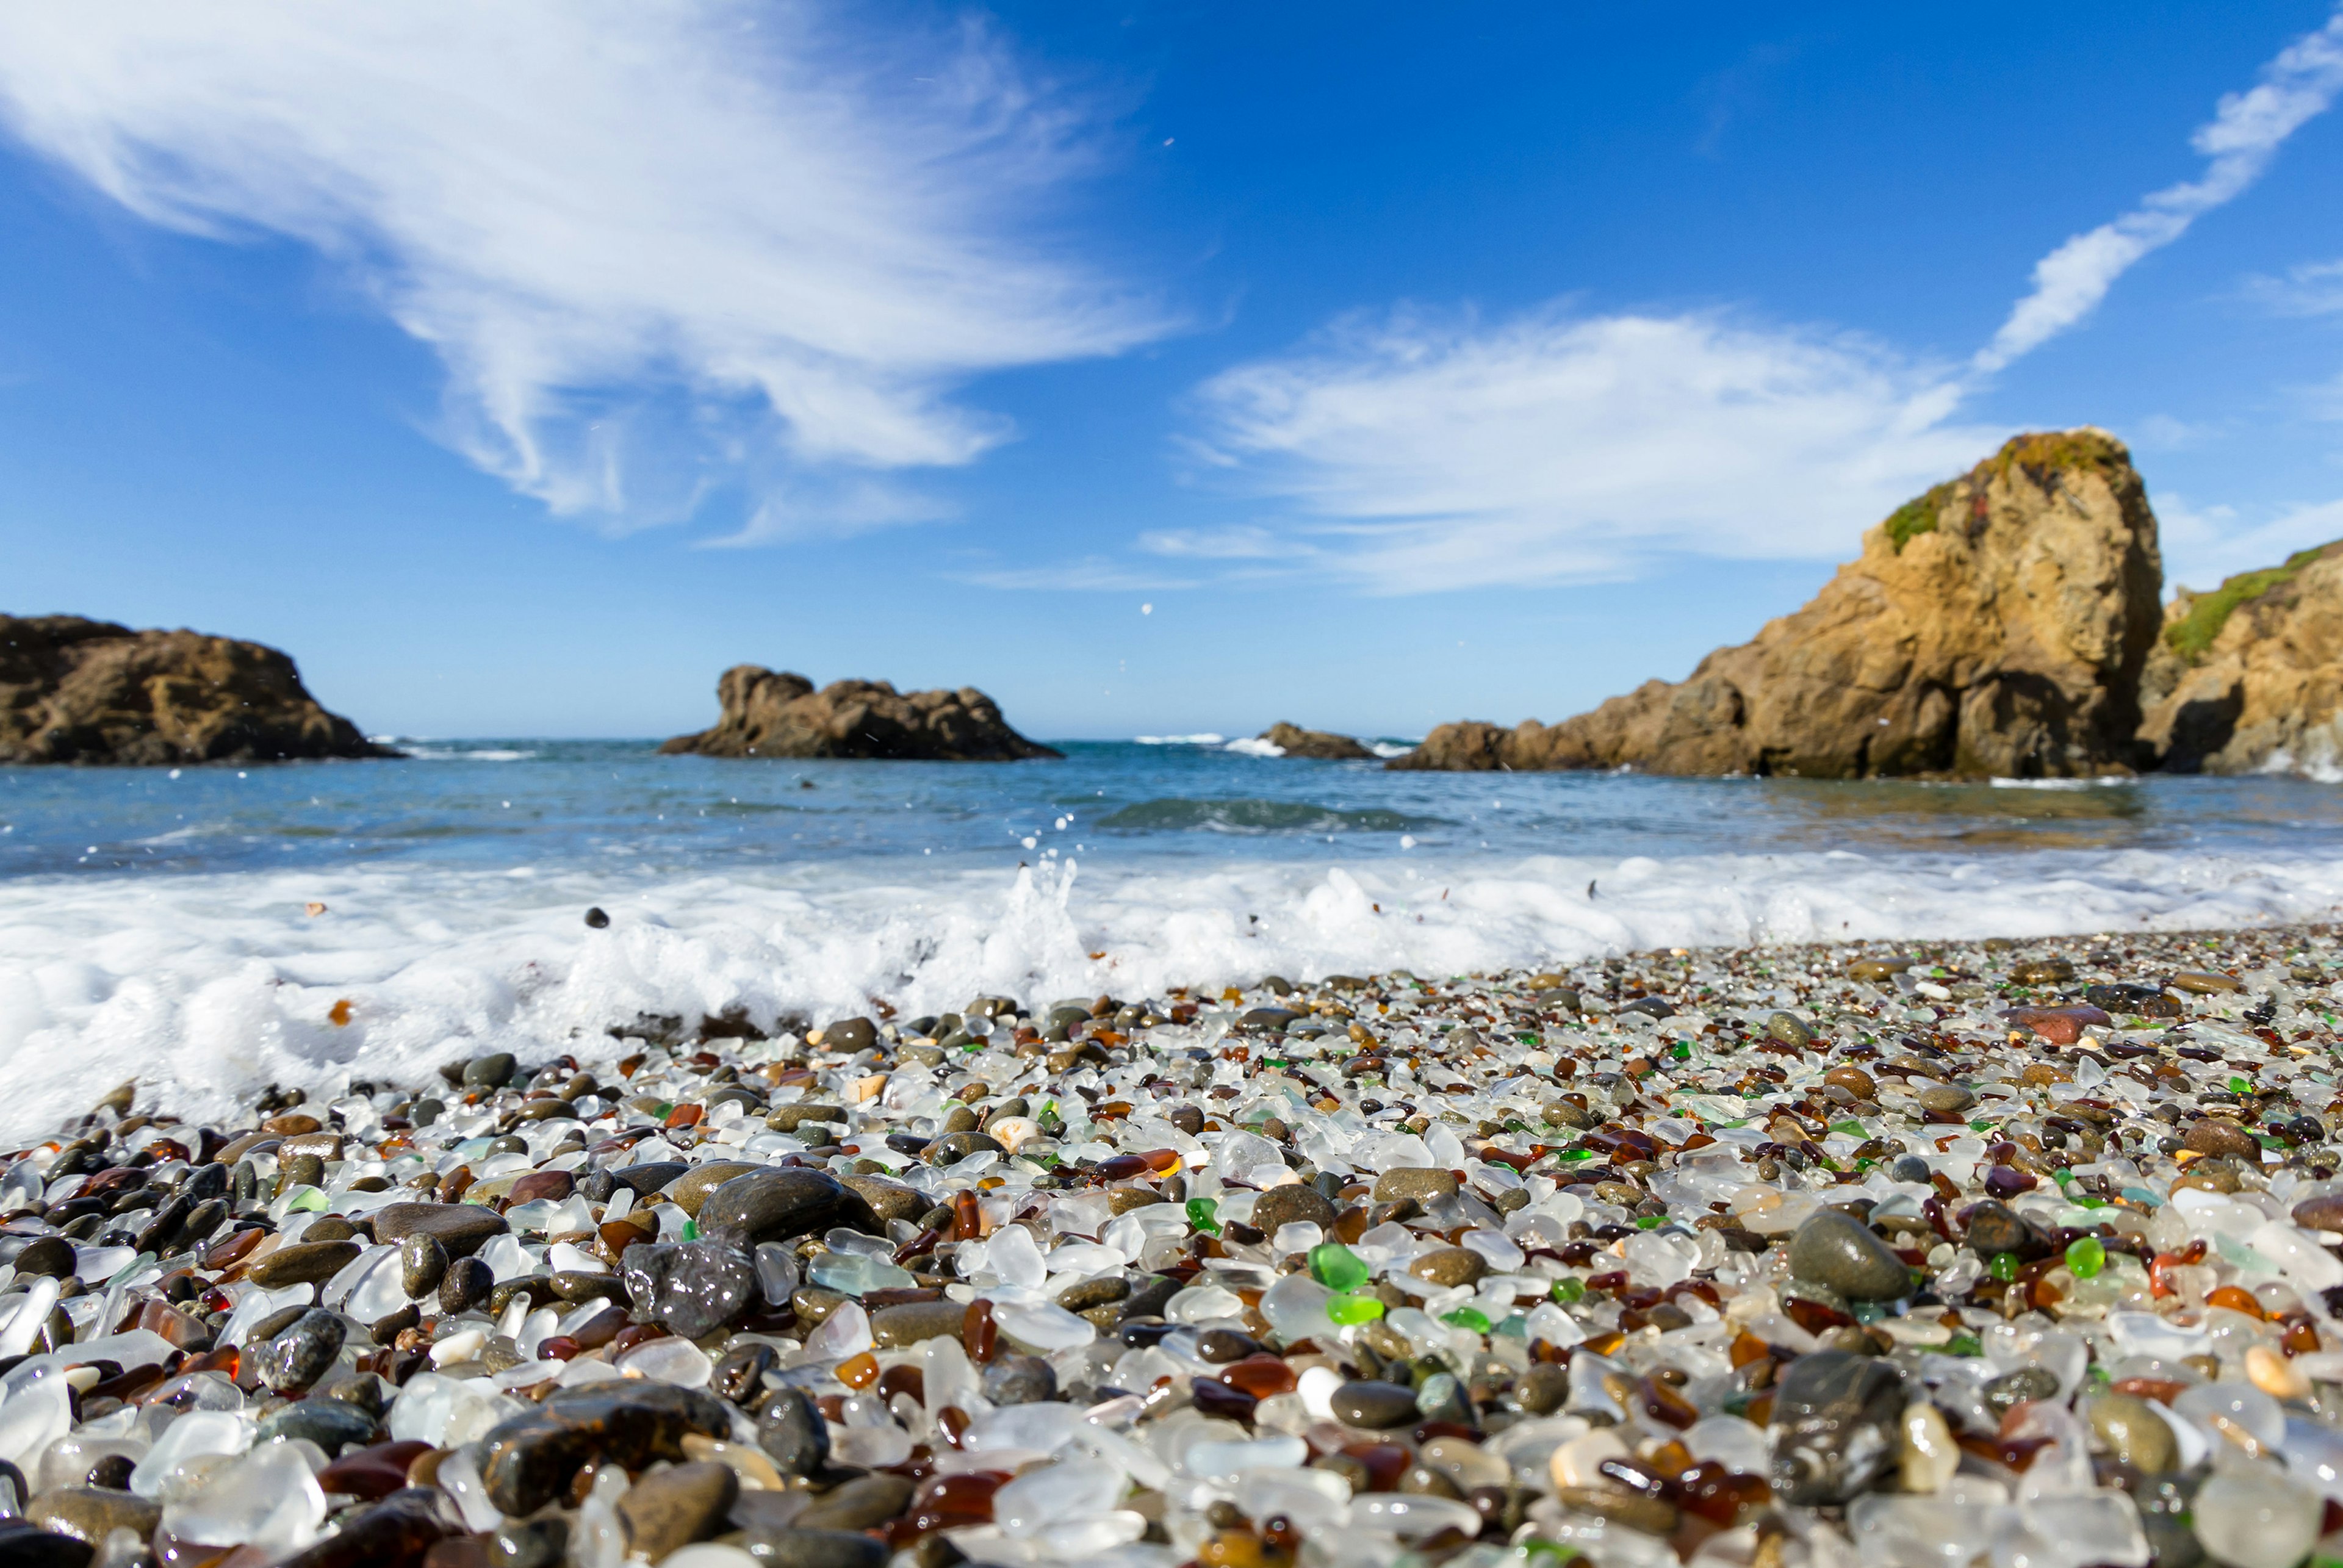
90 1512
770 714
1293 740
394 1534
692 1287
301 1355
422 1265
668 1509
89 691
531 1459
781 1201
1835 1422
860 1505
597 918
1375 1405
800 1548
1019 1380
1841 1251
467 1284
791 1433
461 1228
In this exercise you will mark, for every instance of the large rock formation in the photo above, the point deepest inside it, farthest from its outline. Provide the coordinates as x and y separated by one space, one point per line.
1293 740
2249 678
79 690
769 713
1995 626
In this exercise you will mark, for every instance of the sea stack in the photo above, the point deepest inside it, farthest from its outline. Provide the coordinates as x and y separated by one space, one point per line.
76 690
772 713
1996 626
1293 740
2248 678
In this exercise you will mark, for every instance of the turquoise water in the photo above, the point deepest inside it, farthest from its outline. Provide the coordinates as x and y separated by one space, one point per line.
616 806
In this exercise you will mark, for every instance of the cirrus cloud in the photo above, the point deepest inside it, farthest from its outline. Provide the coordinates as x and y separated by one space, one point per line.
659 248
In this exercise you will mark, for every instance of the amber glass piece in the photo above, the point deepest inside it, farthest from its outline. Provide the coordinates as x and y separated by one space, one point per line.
977 1335
1260 1375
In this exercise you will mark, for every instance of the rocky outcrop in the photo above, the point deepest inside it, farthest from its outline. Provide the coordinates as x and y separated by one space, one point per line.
1293 740
2248 678
1996 626
89 691
769 713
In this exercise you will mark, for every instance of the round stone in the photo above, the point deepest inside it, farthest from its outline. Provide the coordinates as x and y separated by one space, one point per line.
1377 1406
1835 1248
1292 1202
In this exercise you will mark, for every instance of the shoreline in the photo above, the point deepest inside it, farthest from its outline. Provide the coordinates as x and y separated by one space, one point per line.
1646 1273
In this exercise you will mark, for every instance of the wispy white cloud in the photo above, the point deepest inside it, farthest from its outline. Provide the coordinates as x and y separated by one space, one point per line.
1423 452
2245 132
1242 542
660 248
2313 289
1091 574
1417 452
2202 545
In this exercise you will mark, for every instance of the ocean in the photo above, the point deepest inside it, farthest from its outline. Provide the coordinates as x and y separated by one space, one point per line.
157 924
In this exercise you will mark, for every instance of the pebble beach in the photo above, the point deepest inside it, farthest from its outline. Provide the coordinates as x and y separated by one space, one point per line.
2018 1251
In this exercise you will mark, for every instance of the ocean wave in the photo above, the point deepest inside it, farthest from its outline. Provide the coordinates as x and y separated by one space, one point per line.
451 754
204 987
1178 739
1246 816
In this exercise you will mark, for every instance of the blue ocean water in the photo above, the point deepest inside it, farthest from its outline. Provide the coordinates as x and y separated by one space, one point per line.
200 929
619 805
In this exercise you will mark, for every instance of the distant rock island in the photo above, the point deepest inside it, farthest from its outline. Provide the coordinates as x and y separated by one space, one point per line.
1293 740
76 690
772 713
1997 626
2248 678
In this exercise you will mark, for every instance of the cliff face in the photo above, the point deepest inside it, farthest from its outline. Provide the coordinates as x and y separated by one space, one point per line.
89 691
2249 678
1995 626
769 713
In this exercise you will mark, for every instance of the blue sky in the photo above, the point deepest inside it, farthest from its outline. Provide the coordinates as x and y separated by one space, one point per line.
1158 368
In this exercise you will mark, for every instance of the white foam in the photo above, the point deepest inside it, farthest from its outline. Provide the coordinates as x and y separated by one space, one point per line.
204 987
1252 746
1178 739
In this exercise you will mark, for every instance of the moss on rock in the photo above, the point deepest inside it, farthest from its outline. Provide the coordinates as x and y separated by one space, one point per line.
2193 634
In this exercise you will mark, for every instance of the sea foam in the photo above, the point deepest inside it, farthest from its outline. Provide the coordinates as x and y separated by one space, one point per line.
205 987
